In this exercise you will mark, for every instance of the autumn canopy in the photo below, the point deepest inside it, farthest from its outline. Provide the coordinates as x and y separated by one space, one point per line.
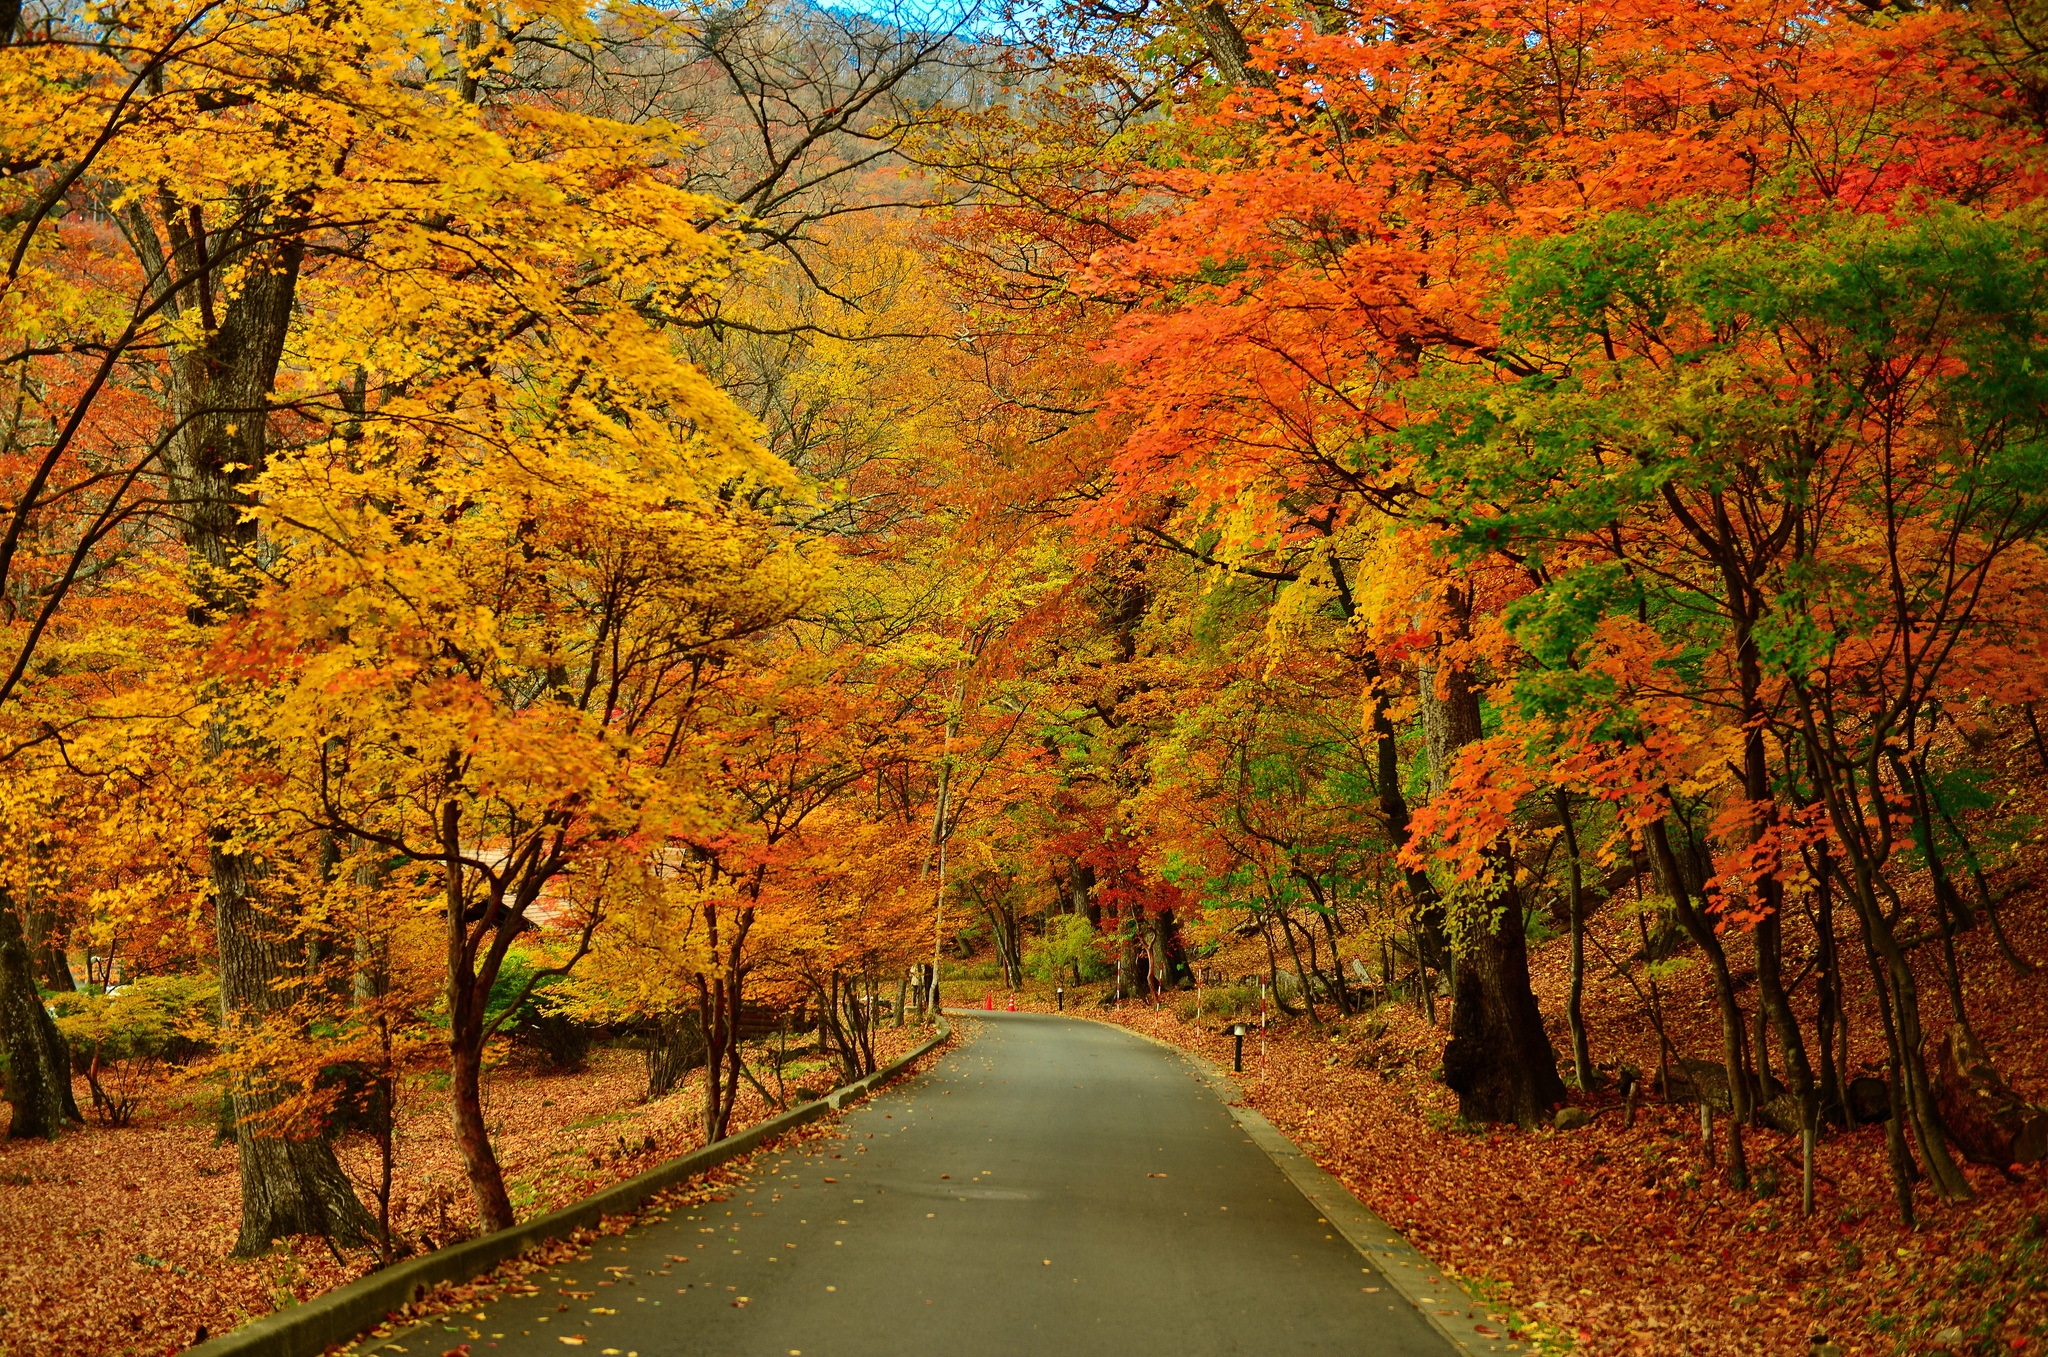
533 527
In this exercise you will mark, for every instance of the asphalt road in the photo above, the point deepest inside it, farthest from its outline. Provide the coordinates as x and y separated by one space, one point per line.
1052 1186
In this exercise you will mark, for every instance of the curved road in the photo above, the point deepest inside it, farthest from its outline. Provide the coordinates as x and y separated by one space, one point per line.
1052 1186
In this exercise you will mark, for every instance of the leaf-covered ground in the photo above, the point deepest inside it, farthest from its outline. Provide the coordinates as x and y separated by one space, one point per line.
1615 1240
115 1242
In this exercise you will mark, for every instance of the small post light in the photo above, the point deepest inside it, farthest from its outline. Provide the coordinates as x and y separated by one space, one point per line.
1059 994
1237 1056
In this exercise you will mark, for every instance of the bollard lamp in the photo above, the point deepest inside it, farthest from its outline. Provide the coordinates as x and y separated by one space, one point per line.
1237 1054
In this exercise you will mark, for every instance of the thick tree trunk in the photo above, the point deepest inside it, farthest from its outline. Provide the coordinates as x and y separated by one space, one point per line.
291 1184
1226 43
1081 892
221 389
1159 942
1499 1059
38 1059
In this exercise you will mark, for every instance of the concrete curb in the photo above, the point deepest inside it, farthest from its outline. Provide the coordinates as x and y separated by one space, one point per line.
339 1315
1447 1306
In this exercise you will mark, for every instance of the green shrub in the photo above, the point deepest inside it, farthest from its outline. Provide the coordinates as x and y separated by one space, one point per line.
560 1041
1069 947
117 1039
1221 1004
173 1018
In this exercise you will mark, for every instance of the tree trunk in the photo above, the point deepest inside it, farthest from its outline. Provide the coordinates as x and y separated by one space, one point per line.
1574 1016
1860 861
291 1183
1732 1036
1159 943
1081 893
472 1137
1830 1025
718 1007
1342 993
46 948
675 1046
38 1059
1499 1059
221 390
1273 967
1301 972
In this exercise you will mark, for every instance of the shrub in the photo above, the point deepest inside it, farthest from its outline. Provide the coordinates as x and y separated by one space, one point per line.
1221 1004
1069 949
541 1027
118 1039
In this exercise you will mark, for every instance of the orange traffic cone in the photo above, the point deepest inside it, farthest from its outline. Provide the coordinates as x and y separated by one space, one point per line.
1013 1003
988 1000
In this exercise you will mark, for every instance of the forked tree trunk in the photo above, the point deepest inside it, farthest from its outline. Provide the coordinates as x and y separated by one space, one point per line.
38 1058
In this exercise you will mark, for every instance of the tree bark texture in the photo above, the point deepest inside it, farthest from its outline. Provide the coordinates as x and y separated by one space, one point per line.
38 1058
290 1185
675 1046
1575 900
221 389
1499 1060
1227 46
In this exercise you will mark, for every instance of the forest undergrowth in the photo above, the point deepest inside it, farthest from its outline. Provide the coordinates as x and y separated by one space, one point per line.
115 1242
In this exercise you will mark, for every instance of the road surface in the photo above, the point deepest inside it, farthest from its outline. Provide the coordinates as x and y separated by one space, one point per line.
1051 1186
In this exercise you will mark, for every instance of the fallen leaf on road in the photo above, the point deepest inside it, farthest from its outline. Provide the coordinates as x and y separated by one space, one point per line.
601 1310
574 1340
